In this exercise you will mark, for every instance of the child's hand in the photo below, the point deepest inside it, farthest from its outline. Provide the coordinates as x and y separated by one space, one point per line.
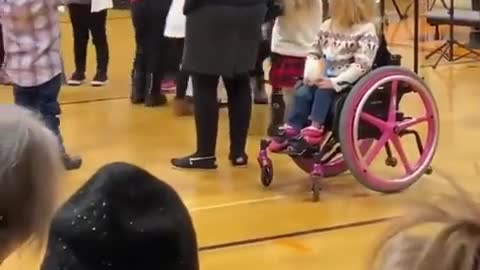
324 83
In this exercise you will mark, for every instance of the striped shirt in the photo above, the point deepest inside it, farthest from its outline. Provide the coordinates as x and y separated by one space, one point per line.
31 33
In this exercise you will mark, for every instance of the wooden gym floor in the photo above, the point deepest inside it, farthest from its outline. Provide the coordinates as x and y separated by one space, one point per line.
241 225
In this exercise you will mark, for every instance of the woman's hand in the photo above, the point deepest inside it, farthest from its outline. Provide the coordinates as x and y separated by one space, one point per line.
324 83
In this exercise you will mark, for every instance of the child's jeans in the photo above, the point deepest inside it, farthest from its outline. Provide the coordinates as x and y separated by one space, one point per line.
44 100
311 103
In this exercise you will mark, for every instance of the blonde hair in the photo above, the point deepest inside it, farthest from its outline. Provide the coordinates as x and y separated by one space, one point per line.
347 13
291 5
29 171
453 246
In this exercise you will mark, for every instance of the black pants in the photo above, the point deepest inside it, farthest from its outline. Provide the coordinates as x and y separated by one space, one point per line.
206 112
44 100
176 53
264 52
85 22
151 46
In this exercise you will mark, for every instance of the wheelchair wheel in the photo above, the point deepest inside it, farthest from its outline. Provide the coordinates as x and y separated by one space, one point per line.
390 126
266 175
333 168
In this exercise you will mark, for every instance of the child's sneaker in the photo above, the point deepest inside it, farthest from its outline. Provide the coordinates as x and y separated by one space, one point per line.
313 136
77 79
280 142
100 79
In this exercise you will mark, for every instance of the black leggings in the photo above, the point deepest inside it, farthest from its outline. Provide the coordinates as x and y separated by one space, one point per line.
206 112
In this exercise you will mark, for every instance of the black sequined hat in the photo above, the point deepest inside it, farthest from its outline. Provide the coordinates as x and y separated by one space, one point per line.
123 218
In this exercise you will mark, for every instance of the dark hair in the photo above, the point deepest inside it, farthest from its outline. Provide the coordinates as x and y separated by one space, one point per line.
123 218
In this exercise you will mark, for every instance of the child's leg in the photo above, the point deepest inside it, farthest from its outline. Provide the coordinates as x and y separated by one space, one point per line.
289 99
320 109
156 51
44 99
137 95
277 112
297 119
98 21
79 16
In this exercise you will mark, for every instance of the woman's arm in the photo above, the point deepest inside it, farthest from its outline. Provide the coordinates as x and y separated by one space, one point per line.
363 59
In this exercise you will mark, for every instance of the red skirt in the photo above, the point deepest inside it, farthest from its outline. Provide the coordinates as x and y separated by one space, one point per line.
286 71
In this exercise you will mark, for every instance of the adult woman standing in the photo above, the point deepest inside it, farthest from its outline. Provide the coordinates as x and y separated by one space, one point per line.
222 38
89 16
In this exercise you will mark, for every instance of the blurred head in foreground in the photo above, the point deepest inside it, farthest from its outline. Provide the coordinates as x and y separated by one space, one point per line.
29 172
123 218
448 236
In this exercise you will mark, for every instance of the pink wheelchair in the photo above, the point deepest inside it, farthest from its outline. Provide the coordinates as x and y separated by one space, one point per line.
365 120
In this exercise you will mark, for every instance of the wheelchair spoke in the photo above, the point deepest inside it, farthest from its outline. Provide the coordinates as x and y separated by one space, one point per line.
392 110
379 123
401 153
412 122
377 148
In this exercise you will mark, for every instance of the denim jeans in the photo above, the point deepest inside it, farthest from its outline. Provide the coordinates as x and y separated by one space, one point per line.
311 103
43 99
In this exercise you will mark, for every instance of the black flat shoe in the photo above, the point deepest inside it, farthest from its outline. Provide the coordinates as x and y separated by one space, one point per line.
195 162
239 161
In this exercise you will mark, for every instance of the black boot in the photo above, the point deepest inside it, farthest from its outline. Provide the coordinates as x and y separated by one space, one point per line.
258 90
71 163
137 95
153 95
277 113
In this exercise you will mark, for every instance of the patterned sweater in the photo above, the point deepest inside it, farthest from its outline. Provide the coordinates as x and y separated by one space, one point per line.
348 54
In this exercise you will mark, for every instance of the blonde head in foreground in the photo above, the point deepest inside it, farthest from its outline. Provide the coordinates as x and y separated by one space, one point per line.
29 171
347 13
449 239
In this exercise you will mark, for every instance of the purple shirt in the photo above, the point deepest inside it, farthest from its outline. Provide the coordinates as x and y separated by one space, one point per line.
31 36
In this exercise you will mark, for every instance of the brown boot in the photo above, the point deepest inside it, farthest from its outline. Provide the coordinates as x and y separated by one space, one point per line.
183 107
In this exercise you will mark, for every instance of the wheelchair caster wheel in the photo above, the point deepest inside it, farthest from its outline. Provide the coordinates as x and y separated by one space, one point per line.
391 162
316 189
429 170
267 175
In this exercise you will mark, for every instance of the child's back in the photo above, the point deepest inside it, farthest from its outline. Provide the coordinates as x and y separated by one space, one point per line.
295 31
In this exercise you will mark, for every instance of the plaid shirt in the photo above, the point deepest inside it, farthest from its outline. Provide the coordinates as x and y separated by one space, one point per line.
31 33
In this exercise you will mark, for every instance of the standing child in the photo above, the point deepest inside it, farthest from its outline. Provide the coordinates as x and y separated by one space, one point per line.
31 33
149 18
89 16
293 34
346 47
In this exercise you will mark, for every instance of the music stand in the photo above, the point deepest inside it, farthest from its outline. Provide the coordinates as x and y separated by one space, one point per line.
447 49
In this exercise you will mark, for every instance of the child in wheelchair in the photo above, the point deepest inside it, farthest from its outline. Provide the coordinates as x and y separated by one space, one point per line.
344 51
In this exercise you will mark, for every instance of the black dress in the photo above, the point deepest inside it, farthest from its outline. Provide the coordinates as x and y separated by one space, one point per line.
231 48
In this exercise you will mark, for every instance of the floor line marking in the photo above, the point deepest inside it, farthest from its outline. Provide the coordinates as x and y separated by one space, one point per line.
237 203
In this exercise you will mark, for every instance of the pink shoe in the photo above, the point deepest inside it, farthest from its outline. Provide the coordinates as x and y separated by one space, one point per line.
169 86
280 142
313 136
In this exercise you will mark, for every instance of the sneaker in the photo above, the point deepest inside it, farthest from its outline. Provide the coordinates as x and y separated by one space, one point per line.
77 79
313 136
280 142
169 86
100 79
